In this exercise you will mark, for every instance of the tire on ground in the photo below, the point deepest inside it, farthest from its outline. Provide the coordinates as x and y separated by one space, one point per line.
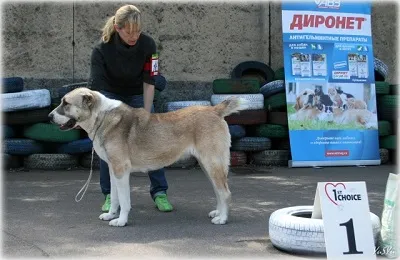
51 161
292 229
251 144
86 159
238 158
384 155
270 158
381 70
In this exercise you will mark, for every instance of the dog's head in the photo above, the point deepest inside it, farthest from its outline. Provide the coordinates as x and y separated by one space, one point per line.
318 90
75 107
303 98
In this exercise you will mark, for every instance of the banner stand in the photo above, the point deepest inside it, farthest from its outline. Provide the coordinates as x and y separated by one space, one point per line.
330 83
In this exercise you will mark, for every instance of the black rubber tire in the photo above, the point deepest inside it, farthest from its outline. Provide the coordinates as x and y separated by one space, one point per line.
394 89
13 84
51 133
238 158
270 158
389 142
276 102
51 161
384 155
251 144
280 74
384 128
85 160
272 131
8 132
18 146
76 147
253 67
12 161
382 88
381 70
237 131
236 86
272 88
27 117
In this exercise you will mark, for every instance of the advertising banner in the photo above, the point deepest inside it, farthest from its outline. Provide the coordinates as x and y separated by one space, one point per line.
330 84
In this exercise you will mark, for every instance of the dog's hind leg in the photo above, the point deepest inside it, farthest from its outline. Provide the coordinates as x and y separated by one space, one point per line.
217 172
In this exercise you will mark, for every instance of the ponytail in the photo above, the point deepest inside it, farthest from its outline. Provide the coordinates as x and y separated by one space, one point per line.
108 29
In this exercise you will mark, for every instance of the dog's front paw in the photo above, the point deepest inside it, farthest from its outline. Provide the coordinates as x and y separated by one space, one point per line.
219 220
107 216
118 222
213 214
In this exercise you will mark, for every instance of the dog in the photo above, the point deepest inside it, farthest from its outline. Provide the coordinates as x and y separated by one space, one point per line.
344 96
324 102
335 97
303 99
361 117
353 103
134 140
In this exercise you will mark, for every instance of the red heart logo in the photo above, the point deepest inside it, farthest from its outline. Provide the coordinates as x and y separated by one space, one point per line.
327 194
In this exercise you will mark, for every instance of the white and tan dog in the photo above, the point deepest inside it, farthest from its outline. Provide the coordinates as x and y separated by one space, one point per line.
133 140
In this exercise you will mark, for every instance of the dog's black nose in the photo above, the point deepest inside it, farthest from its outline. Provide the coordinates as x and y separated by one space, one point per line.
50 116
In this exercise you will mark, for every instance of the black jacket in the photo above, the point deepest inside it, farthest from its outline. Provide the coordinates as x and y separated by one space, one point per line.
122 69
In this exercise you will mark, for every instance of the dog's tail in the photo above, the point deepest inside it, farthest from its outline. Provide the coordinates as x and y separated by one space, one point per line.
230 106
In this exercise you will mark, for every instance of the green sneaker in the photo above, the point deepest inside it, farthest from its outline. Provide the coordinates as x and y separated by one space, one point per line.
107 204
162 203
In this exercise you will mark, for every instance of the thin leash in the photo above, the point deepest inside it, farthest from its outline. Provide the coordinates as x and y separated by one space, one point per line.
88 181
86 185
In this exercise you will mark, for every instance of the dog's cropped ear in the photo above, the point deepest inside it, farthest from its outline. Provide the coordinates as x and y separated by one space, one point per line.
87 99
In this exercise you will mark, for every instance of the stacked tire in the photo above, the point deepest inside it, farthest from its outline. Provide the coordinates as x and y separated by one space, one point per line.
29 139
275 129
387 107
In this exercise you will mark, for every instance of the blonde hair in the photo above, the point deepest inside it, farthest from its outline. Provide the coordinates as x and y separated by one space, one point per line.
125 15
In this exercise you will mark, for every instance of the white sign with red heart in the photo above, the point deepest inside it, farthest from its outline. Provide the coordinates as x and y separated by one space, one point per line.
344 209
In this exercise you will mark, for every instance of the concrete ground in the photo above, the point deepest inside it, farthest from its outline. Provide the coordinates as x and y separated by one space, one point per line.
42 219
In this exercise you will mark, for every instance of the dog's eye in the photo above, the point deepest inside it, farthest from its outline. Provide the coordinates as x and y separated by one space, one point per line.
65 103
305 93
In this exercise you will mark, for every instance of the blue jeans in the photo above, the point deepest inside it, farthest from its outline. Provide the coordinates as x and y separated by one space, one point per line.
158 181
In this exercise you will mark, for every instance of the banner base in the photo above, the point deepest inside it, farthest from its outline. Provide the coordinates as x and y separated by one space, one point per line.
293 164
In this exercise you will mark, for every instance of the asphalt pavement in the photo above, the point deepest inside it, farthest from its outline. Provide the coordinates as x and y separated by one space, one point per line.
41 218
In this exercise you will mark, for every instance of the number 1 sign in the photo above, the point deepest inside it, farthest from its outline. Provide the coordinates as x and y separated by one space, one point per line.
344 209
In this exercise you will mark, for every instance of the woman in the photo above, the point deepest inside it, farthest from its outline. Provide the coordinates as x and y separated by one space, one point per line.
123 66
